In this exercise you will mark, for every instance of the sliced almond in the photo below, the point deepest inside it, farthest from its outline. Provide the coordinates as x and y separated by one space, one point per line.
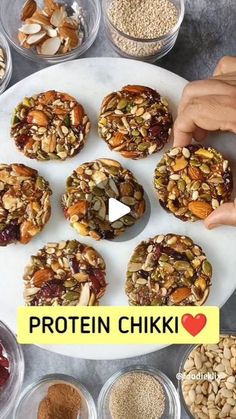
51 31
71 34
58 16
51 46
50 6
85 295
22 39
28 9
36 38
69 22
39 17
30 28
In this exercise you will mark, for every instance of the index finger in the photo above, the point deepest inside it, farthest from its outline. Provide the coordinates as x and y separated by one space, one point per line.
226 65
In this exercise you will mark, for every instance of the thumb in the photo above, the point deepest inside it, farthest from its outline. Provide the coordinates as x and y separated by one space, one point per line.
223 215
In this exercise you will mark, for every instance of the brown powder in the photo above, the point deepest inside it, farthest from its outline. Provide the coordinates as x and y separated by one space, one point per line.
62 401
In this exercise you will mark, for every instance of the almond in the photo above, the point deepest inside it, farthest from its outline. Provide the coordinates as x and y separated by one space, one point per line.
27 231
81 277
78 208
37 117
66 32
69 22
58 16
180 164
36 38
51 46
28 9
39 17
50 6
202 152
134 89
30 28
195 173
77 114
179 294
48 97
117 139
22 37
130 154
200 209
22 170
43 275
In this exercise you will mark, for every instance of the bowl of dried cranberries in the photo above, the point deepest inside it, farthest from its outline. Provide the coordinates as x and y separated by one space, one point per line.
11 370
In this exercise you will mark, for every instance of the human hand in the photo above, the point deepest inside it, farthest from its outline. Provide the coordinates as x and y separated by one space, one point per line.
210 105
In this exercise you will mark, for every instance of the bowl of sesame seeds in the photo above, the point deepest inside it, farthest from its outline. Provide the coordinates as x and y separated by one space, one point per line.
5 63
139 392
144 30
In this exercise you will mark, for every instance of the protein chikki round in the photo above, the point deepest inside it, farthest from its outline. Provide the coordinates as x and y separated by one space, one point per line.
168 270
50 125
86 200
24 203
67 273
135 121
193 181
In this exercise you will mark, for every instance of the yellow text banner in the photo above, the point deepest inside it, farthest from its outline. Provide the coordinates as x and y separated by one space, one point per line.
117 325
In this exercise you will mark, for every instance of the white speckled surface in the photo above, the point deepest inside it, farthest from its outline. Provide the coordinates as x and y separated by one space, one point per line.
208 33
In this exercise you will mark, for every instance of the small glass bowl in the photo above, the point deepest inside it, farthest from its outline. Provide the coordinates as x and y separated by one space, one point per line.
181 371
8 71
142 49
172 410
9 393
10 11
35 392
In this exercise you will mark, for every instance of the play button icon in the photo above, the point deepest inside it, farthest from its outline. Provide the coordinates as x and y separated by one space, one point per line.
116 210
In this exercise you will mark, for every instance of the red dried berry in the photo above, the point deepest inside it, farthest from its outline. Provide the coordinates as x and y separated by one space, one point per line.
52 289
4 362
4 375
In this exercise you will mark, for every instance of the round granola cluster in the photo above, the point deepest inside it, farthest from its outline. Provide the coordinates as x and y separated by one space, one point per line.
193 181
135 121
50 125
168 270
68 273
24 203
89 189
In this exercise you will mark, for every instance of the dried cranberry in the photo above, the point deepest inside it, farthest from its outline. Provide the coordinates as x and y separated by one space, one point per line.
74 265
10 234
4 362
98 280
157 251
155 130
22 140
52 289
176 255
143 274
4 375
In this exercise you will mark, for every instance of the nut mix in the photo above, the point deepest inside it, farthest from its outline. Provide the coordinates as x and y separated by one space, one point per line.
68 273
3 64
193 181
50 30
24 203
86 201
168 270
135 121
50 125
214 398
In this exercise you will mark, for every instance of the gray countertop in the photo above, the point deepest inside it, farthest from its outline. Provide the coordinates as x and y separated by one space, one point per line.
208 32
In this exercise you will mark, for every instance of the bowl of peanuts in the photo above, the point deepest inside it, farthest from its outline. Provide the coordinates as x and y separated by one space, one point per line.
207 379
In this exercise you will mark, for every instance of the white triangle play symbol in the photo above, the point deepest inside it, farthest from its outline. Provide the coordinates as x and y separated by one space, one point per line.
116 210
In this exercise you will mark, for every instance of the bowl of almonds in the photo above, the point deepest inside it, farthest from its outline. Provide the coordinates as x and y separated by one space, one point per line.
50 30
207 383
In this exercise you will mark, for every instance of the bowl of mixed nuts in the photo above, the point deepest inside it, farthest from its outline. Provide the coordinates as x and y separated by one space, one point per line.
50 30
207 384
5 63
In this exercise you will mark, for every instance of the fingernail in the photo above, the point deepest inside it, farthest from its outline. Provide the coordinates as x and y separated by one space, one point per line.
211 226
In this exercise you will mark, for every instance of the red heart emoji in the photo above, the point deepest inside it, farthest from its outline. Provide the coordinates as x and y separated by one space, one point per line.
194 325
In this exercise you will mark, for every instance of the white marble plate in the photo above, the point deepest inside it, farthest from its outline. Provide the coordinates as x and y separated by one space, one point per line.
90 80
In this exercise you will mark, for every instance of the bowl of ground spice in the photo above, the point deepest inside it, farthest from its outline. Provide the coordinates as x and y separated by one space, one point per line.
138 392
56 396
144 30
